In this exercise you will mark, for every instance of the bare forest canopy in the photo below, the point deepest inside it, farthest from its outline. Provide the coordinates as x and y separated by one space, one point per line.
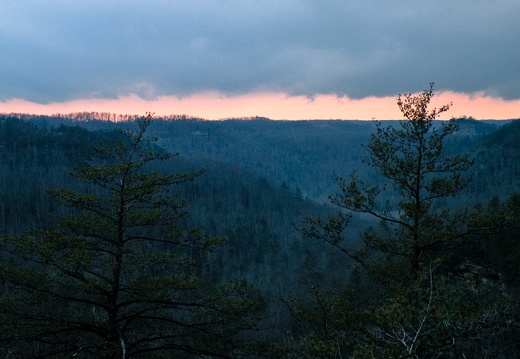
305 155
261 179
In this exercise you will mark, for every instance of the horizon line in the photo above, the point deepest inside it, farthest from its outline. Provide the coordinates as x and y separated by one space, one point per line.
126 117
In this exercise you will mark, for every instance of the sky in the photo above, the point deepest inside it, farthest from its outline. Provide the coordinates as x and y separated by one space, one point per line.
281 59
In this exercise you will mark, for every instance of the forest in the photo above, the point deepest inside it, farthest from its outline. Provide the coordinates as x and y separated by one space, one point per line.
178 237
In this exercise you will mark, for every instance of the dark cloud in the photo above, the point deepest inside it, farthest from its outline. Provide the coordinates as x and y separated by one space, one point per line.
60 50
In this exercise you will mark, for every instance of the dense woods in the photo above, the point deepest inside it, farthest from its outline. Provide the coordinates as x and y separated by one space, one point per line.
127 237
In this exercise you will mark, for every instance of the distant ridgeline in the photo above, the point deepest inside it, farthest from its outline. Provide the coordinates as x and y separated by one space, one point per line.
113 117
306 155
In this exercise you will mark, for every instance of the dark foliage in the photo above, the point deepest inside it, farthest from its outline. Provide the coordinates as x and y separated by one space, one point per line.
259 177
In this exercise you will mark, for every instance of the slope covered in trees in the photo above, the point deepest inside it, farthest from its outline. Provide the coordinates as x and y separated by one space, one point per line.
259 180
119 276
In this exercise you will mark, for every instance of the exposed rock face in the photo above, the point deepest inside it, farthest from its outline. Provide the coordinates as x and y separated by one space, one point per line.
479 275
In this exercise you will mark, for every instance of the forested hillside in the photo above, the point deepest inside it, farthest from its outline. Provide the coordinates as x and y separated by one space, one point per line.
259 182
305 155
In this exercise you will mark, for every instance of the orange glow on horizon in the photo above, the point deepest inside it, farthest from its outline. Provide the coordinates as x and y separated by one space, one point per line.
276 106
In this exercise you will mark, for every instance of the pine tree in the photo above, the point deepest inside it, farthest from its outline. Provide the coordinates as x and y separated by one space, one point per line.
416 307
121 276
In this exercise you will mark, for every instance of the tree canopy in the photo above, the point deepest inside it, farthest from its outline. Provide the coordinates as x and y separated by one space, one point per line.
416 308
122 275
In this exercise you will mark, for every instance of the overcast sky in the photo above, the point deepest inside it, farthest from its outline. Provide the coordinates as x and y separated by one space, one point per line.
227 52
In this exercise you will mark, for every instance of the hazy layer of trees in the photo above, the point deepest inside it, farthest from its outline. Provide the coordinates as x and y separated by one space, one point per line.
261 181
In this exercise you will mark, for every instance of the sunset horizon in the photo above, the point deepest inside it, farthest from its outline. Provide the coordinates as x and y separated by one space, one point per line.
281 60
275 106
